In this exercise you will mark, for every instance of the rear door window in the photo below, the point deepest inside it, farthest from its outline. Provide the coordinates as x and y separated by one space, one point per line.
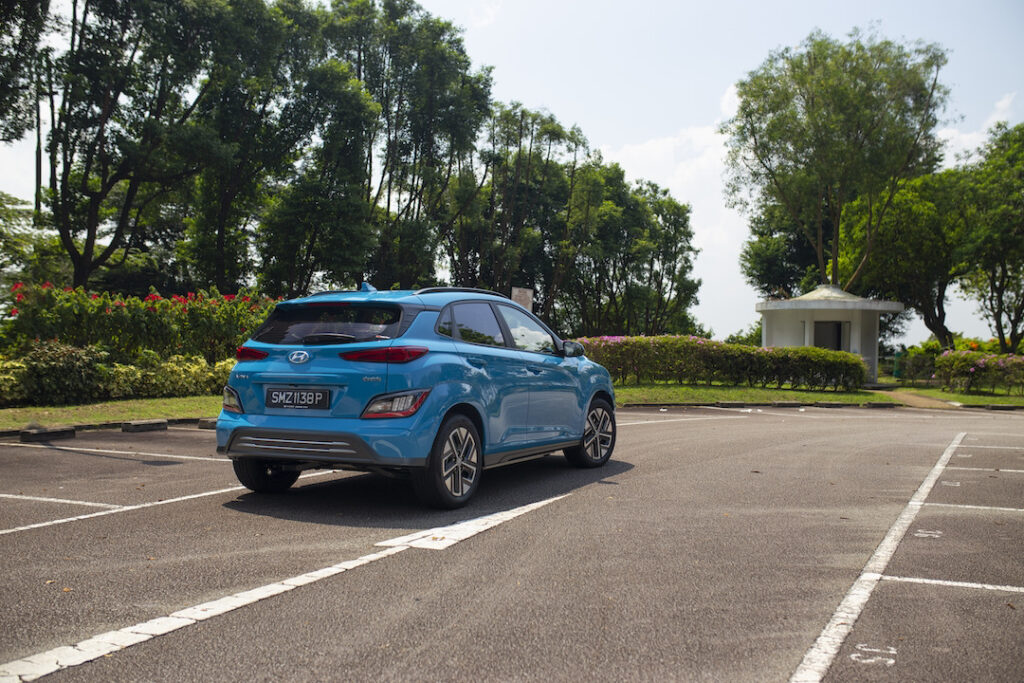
475 323
329 323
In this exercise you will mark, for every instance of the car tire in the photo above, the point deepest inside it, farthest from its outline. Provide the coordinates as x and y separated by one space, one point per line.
453 469
263 476
598 442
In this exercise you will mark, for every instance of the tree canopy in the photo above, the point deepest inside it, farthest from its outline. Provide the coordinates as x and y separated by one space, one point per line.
823 124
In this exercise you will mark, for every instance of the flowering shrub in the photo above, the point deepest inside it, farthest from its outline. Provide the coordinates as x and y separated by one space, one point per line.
973 371
200 323
688 359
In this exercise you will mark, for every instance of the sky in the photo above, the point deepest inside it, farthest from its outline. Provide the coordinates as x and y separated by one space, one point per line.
648 82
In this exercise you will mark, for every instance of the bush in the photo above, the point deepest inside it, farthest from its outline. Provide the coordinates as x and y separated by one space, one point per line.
57 374
968 371
203 323
688 359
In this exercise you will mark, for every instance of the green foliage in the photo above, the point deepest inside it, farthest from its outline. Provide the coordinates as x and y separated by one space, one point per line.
969 371
750 337
59 374
996 240
692 360
824 123
23 25
203 323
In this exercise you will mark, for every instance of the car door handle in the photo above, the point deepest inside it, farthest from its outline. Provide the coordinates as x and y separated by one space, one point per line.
477 362
534 371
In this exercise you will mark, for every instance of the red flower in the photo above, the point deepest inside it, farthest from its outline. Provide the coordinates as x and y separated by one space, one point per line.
17 286
47 285
95 296
153 297
108 309
246 299
14 312
229 297
119 303
19 297
69 289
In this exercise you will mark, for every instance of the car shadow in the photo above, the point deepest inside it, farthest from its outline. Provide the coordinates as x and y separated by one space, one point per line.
370 500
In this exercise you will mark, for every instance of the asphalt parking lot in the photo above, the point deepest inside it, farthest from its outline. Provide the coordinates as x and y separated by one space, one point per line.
765 544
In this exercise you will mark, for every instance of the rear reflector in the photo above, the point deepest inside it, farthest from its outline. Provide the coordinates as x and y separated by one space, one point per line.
245 353
391 354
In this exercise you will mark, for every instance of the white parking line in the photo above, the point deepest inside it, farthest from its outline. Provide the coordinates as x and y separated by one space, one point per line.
999 448
972 507
140 506
51 661
956 584
60 500
985 469
108 451
819 658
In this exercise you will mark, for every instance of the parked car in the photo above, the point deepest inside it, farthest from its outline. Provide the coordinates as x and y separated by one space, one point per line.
436 385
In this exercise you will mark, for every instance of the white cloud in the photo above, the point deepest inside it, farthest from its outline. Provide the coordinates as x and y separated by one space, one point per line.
961 145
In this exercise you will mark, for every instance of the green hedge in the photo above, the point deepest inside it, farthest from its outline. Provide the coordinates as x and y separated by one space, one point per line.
58 374
968 371
692 360
207 324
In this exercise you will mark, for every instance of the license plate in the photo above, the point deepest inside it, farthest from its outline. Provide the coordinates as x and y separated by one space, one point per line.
298 399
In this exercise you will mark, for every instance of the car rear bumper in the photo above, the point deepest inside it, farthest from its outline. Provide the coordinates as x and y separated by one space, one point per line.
303 441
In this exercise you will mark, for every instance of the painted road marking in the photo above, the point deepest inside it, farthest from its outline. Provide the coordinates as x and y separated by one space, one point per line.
819 658
107 451
985 469
61 500
956 584
447 536
999 448
972 507
680 419
51 661
140 506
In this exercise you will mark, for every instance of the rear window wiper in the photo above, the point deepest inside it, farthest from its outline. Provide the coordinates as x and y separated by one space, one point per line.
328 338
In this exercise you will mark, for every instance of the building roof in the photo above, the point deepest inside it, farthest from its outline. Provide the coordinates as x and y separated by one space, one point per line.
830 297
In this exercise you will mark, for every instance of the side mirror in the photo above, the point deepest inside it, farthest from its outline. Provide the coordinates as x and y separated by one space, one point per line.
571 349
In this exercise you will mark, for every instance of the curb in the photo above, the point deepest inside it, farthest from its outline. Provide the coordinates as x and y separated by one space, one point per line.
37 433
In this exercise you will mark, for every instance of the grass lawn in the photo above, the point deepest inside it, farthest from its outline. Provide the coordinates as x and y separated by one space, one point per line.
111 411
973 399
209 406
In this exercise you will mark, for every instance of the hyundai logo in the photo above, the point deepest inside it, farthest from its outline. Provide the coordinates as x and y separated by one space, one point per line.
298 356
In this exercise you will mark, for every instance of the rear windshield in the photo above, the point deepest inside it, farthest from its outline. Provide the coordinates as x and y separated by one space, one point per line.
329 323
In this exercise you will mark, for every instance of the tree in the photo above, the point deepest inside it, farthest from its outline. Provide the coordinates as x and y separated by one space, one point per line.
825 123
920 251
123 132
996 247
262 111
23 23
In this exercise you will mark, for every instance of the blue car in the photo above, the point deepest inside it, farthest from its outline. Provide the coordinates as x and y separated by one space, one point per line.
436 385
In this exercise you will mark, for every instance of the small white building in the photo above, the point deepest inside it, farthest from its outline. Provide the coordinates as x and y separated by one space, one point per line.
828 318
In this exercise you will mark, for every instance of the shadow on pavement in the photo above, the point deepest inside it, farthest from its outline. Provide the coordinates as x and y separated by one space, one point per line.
370 500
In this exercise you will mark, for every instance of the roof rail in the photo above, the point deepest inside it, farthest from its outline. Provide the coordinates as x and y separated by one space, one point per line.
468 290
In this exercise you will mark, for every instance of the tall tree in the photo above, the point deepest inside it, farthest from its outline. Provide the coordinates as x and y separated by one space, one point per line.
996 248
23 23
921 248
263 113
123 128
824 123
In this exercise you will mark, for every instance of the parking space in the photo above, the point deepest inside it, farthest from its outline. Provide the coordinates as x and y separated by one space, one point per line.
717 543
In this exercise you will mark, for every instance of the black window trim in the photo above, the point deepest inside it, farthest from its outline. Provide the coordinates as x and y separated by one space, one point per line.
505 331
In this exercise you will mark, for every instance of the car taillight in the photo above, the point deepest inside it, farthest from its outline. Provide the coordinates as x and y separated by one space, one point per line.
245 353
391 354
396 405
